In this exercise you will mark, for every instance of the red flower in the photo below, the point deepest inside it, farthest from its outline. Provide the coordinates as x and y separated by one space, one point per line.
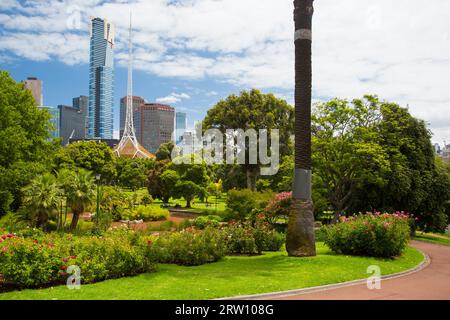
35 241
64 267
64 259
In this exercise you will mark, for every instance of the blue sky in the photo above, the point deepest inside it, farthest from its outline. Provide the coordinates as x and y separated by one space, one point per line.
192 53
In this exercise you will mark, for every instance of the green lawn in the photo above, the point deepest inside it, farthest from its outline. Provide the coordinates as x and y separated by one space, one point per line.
433 238
231 276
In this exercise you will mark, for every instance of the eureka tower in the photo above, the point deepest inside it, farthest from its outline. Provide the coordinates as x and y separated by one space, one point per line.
101 80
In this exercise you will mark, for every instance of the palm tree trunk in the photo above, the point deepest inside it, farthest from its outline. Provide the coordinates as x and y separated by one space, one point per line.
300 240
74 223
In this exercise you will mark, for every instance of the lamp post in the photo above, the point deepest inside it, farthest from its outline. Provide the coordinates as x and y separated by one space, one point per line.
97 213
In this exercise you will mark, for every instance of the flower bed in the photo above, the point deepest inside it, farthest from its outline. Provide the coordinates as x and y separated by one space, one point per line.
372 234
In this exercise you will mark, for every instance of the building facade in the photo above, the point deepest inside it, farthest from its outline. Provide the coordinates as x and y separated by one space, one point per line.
72 120
157 123
54 120
180 126
35 86
101 80
137 102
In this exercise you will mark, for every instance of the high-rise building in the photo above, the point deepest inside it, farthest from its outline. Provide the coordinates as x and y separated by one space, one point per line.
82 103
54 120
35 86
137 102
101 80
72 120
180 126
157 125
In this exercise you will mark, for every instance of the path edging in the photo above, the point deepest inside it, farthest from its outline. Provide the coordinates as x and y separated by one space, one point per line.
283 294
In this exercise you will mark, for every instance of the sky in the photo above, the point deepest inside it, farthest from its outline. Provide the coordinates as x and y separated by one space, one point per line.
192 53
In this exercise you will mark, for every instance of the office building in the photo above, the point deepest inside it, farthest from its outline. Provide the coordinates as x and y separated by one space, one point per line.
72 120
101 80
156 125
180 126
137 102
35 86
54 120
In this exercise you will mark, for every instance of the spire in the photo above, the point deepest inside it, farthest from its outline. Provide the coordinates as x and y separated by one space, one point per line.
128 145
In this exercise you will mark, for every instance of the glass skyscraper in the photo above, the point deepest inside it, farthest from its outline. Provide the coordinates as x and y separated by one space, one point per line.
101 80
180 127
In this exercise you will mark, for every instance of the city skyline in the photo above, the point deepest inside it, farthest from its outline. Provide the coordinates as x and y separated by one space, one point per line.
181 62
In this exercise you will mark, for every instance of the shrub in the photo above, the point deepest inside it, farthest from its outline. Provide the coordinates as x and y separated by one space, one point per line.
204 221
279 207
267 238
377 235
240 239
189 247
242 203
28 262
147 200
146 213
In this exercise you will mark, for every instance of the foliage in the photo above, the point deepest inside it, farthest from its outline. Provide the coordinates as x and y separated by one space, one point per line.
189 247
203 222
24 144
132 173
253 110
279 207
113 201
154 184
93 156
146 213
164 151
169 180
188 190
241 204
376 235
41 198
31 262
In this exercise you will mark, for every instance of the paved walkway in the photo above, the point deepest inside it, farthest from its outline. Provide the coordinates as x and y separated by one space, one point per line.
432 282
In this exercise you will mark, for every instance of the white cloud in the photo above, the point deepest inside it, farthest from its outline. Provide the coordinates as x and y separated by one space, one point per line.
399 49
173 98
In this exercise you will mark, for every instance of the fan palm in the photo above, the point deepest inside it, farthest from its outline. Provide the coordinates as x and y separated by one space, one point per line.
41 198
80 192
300 239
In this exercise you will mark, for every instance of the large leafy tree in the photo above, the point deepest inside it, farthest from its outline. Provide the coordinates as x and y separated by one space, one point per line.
300 240
132 173
253 110
24 144
90 155
347 150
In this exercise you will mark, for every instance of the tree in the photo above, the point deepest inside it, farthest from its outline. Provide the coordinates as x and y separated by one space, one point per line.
80 193
41 198
188 190
300 240
164 151
169 180
253 110
131 173
93 156
24 141
154 185
347 150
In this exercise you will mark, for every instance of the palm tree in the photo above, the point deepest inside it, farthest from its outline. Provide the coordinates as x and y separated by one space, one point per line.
300 240
80 193
41 197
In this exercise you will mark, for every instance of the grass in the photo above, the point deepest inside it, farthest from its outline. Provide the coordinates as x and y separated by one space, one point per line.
230 277
443 239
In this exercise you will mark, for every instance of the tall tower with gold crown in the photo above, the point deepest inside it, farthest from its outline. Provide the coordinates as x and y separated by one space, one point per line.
128 146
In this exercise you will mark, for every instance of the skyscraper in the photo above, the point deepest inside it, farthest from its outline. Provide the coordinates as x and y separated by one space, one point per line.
157 124
101 80
180 126
35 86
72 120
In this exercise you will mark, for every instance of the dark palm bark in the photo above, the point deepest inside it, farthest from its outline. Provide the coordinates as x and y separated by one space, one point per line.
300 240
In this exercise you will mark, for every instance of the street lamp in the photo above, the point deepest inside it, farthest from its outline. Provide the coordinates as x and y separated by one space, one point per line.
97 213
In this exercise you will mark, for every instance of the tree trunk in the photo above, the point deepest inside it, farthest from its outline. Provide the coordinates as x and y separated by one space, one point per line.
74 223
251 173
188 203
300 240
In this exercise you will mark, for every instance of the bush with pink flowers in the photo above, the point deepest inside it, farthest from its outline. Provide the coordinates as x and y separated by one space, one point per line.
372 234
279 207
27 262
